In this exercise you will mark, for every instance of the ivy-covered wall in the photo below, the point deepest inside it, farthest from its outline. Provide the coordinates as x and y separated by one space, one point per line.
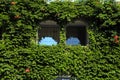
21 59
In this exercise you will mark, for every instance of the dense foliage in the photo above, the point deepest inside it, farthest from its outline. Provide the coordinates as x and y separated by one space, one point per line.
21 59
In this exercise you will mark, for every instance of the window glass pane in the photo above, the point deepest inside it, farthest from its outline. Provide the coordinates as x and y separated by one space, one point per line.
73 41
48 35
76 35
47 41
72 36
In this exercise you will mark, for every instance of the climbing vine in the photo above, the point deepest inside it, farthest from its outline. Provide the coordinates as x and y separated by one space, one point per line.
21 59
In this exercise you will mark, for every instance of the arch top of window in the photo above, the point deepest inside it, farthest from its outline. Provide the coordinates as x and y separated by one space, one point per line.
78 23
49 23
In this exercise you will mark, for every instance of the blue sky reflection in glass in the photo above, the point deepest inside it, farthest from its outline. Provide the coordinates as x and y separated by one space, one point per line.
49 41
73 41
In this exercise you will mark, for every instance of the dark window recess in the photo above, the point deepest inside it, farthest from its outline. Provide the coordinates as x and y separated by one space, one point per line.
49 33
76 35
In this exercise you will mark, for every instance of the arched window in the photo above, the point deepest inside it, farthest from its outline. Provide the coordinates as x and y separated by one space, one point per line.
76 33
67 77
48 34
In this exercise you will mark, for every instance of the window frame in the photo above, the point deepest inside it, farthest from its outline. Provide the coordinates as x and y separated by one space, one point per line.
78 24
49 24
